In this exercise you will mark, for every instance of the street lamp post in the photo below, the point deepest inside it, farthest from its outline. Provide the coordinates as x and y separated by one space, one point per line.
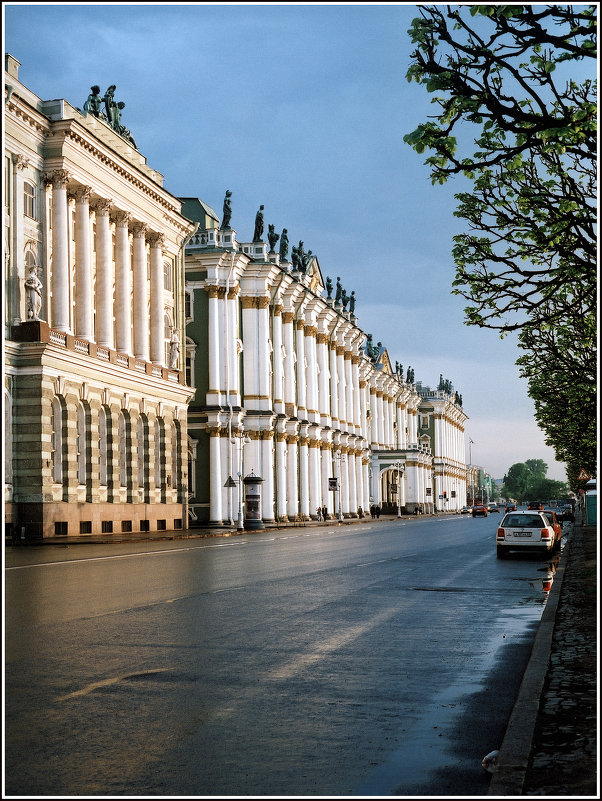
242 441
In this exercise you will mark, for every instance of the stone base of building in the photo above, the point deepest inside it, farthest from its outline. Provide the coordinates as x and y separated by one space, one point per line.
38 521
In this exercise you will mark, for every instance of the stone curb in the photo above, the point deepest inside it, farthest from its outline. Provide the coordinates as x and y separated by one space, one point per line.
513 758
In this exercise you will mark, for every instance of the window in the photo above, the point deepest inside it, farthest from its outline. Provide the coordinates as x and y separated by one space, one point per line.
159 451
188 305
167 276
29 200
141 449
122 450
81 444
102 446
57 441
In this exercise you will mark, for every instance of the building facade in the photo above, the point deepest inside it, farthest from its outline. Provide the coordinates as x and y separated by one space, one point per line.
95 397
289 389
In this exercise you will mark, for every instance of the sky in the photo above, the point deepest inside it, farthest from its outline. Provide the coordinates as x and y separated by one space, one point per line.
302 108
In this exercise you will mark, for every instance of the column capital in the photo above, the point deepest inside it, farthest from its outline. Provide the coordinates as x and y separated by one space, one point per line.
157 240
122 218
58 178
288 316
140 229
82 193
322 339
102 207
20 161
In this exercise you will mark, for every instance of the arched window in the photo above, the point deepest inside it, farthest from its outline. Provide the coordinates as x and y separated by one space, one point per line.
29 200
57 440
81 444
102 446
159 451
141 449
123 462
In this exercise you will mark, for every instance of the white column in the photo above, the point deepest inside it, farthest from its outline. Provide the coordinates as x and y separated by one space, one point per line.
357 413
215 477
141 327
313 413
214 347
123 285
104 276
353 504
334 387
342 411
345 483
263 335
326 459
292 486
84 327
17 309
323 394
288 337
233 354
267 473
281 473
349 393
303 473
374 420
277 361
61 285
315 494
157 333
301 373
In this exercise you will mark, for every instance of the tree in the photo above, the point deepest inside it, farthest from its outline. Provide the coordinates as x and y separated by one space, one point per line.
527 262
526 481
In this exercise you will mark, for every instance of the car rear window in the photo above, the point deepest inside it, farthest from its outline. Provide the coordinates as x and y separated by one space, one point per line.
523 521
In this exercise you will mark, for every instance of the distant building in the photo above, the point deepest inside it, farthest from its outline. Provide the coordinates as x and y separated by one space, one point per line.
94 394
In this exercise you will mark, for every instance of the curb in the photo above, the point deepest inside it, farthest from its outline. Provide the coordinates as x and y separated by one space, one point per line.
513 758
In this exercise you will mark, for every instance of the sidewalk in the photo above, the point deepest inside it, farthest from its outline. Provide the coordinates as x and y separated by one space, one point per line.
550 745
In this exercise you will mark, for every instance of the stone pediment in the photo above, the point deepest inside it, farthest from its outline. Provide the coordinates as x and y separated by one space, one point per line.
315 282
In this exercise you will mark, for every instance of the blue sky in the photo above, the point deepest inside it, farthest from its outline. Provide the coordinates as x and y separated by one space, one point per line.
301 108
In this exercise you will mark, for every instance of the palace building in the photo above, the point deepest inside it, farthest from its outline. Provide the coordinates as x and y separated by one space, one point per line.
95 398
161 374
291 391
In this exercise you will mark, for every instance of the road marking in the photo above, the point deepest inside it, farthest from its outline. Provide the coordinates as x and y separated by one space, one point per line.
108 682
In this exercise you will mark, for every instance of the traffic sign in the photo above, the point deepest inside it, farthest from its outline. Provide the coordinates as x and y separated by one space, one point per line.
230 482
583 476
333 483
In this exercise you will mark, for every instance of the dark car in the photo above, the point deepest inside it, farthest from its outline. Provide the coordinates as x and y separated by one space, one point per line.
535 505
511 507
479 510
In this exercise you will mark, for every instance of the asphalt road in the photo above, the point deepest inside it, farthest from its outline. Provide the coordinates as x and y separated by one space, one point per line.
373 659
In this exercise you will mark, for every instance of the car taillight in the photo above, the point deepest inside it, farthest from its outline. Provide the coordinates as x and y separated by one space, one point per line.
545 534
500 532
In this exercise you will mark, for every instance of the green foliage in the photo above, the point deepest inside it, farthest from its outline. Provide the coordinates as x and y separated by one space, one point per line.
527 259
526 481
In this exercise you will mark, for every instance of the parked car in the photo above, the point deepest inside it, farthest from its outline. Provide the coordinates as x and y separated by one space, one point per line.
465 510
493 507
479 510
510 507
538 505
556 522
525 531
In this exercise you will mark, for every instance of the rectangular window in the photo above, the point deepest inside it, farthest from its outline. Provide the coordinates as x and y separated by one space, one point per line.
167 276
29 200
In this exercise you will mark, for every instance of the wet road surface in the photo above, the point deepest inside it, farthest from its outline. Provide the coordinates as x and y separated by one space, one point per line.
354 660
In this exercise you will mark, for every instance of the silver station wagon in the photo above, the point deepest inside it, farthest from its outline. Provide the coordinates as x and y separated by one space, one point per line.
523 531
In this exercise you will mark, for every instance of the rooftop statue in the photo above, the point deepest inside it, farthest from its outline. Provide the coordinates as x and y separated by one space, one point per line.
257 233
301 254
307 257
111 106
328 287
339 293
273 237
227 209
344 300
284 245
295 259
352 302
94 102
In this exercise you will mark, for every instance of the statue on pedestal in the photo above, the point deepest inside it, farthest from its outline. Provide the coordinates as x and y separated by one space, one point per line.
339 292
227 210
328 287
284 245
33 287
295 259
273 237
258 225
352 302
174 349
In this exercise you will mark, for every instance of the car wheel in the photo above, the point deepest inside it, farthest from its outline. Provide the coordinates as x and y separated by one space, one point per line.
501 552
